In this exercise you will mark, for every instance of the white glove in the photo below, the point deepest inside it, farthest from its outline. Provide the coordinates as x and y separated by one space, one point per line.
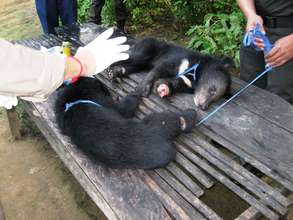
8 101
102 52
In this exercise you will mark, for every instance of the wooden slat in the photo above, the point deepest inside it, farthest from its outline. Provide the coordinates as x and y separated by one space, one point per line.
256 183
185 179
241 170
252 214
253 135
249 214
265 104
187 195
121 191
178 185
194 171
236 176
186 102
228 183
188 209
247 157
244 181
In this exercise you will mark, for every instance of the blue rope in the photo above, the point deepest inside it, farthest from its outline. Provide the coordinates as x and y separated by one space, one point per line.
194 67
71 104
240 91
247 41
250 36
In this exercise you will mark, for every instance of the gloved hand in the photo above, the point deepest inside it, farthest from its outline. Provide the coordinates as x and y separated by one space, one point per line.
102 52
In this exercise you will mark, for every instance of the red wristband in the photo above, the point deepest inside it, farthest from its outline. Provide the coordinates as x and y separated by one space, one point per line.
75 78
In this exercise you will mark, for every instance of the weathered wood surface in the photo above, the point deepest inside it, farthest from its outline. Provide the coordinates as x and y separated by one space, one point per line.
252 214
14 123
121 193
156 105
254 134
251 126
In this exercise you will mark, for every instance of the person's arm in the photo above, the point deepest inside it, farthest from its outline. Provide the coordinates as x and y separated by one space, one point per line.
29 73
34 75
248 9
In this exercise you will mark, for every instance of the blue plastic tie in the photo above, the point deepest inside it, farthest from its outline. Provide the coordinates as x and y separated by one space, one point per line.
188 71
71 104
250 36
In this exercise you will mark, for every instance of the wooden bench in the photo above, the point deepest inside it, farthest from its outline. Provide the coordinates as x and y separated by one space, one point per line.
256 127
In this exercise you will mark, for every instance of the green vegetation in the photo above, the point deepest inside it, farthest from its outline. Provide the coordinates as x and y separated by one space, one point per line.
210 26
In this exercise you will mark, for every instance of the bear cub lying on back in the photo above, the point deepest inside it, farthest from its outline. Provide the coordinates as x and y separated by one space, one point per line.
105 130
166 64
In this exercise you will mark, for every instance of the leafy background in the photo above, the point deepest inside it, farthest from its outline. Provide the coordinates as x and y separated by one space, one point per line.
210 26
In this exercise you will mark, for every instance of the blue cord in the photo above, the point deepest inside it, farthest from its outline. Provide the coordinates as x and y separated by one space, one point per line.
247 41
250 36
71 104
240 91
194 67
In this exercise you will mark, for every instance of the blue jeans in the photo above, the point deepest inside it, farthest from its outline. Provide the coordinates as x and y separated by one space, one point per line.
49 12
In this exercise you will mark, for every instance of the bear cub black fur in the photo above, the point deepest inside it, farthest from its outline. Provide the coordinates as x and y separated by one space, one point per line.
104 129
165 63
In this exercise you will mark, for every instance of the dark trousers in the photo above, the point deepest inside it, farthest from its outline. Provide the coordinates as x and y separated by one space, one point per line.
120 10
49 12
280 79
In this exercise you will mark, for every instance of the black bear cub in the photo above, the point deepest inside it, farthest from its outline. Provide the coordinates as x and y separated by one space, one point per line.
171 69
104 129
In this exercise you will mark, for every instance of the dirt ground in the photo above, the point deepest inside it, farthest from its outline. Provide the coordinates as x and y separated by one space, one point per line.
34 184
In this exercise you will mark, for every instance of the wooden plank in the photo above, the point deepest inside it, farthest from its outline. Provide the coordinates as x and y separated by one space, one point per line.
248 158
190 212
245 181
121 192
14 123
187 195
235 175
264 104
194 171
274 193
228 183
236 167
174 209
185 179
186 102
252 214
254 136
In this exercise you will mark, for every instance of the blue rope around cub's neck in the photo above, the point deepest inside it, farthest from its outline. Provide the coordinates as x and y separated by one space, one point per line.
247 41
71 104
188 71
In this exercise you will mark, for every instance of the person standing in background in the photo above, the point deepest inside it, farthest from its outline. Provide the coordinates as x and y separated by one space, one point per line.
120 10
49 12
276 20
